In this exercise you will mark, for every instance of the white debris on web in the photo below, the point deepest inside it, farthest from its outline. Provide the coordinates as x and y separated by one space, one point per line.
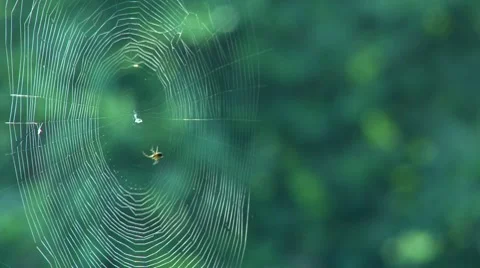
40 130
136 119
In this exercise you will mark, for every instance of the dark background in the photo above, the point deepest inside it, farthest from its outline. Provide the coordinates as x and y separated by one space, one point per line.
369 141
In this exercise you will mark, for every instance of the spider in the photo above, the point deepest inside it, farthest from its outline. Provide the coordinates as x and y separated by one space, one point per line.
155 156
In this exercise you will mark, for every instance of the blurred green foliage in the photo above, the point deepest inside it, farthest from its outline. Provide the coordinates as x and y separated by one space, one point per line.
368 150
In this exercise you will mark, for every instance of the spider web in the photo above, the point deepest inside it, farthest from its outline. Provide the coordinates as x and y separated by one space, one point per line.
72 152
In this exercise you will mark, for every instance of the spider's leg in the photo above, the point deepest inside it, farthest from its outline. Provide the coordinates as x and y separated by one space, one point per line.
156 150
145 154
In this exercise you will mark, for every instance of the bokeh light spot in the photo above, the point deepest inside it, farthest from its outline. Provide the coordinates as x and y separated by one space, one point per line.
416 247
380 130
437 22
365 65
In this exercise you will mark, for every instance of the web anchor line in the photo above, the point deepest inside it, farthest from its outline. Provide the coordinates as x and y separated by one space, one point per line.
21 123
24 96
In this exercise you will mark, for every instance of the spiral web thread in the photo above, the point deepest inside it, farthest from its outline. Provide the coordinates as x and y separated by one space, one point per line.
61 57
